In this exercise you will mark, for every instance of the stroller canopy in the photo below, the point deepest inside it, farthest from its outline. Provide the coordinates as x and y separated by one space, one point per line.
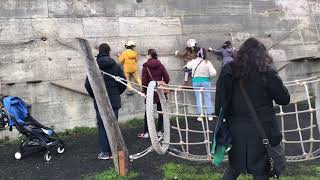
16 108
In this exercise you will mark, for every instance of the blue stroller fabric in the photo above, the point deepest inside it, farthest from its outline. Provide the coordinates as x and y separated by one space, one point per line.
19 110
16 108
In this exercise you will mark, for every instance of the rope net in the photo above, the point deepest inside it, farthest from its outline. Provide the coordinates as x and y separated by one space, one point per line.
191 139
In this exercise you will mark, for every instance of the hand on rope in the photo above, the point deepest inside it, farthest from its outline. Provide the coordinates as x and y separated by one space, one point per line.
123 81
117 78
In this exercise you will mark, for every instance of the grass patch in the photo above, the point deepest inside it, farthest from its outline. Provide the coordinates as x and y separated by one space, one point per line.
111 174
7 141
184 171
78 131
132 123
75 132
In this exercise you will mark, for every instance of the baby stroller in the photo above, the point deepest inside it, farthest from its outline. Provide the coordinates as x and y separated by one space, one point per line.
37 137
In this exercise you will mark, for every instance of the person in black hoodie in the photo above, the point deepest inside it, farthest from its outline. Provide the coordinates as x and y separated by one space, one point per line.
114 89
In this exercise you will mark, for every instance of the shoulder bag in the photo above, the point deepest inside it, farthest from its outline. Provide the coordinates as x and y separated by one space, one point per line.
162 84
276 157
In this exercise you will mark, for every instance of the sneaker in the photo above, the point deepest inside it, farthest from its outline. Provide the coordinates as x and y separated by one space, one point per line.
159 133
210 118
104 156
199 119
143 135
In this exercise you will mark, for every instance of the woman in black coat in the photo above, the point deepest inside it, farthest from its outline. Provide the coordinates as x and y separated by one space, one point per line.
254 67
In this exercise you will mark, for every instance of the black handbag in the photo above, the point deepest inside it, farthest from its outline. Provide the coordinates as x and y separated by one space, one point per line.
276 157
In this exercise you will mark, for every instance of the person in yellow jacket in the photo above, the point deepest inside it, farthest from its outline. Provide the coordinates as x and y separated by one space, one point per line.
129 59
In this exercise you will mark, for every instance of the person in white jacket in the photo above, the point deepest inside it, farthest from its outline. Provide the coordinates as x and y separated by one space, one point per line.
202 73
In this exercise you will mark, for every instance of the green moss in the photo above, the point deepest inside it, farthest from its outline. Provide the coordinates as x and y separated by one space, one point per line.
7 141
132 123
78 131
111 174
184 171
82 131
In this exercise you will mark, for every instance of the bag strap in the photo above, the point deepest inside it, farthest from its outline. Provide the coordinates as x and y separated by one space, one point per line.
150 73
196 68
261 132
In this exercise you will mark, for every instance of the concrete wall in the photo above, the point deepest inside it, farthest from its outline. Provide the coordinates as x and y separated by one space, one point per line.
25 59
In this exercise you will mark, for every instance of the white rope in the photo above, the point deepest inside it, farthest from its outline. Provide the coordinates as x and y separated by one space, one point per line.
162 145
177 118
159 146
124 82
306 145
186 121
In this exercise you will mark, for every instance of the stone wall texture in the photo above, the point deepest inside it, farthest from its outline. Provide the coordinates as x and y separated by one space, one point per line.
30 67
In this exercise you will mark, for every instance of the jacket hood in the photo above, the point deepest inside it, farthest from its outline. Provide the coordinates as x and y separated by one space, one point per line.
131 54
104 61
152 64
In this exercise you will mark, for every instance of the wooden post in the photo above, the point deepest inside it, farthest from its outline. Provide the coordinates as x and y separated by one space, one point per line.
122 163
107 115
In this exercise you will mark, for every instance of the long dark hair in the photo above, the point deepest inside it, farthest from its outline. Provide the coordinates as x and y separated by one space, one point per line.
201 52
251 59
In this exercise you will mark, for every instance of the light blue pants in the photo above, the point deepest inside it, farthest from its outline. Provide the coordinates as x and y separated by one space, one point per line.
206 96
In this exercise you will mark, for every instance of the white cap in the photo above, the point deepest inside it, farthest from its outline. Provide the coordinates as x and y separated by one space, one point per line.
130 43
191 43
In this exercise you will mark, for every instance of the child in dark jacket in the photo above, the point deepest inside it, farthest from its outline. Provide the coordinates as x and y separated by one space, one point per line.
226 51
153 70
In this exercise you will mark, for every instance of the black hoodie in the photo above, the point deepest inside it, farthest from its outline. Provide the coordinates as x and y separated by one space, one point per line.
114 88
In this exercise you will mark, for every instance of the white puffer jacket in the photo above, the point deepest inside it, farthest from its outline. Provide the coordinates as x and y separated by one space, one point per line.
205 68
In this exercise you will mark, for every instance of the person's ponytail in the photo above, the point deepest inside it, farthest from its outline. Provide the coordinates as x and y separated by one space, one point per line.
153 53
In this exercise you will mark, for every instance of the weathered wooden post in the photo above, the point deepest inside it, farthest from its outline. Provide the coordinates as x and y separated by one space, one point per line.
110 123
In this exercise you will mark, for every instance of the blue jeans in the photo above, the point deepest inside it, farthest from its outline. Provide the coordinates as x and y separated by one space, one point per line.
206 96
102 134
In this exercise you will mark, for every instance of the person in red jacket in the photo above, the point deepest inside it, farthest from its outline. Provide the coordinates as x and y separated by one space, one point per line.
153 70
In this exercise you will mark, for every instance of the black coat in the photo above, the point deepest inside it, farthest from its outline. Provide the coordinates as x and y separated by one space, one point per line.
114 88
248 153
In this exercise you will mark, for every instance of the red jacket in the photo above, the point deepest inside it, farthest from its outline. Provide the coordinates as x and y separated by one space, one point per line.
158 73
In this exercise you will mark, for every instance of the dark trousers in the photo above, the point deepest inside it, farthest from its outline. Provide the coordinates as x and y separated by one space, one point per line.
102 134
160 119
231 174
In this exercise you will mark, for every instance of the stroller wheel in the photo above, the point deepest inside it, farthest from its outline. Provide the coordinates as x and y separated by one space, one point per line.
18 155
60 149
47 156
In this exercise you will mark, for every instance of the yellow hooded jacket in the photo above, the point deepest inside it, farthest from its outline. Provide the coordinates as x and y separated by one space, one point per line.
129 59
